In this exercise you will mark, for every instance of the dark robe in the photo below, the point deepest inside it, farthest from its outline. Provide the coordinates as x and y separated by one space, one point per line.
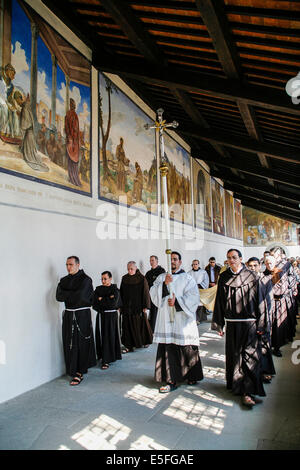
176 363
293 310
76 291
283 325
217 270
269 305
201 313
136 330
151 275
108 344
239 298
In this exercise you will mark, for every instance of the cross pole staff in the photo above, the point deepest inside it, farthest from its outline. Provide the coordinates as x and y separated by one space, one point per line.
160 126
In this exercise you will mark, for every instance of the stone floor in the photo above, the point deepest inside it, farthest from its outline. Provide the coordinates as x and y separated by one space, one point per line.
121 409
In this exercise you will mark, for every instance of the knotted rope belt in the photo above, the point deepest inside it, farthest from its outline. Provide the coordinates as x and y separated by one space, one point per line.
74 323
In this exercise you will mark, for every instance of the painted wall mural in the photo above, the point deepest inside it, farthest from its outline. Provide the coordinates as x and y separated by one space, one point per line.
44 102
261 229
127 151
229 211
238 224
218 207
202 196
179 181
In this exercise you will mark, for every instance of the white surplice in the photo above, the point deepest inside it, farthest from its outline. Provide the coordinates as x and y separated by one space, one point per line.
183 331
201 277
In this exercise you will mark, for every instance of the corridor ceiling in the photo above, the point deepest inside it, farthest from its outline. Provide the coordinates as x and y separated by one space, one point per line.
219 68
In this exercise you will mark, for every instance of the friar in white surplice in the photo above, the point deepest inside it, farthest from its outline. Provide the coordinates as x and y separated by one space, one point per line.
178 356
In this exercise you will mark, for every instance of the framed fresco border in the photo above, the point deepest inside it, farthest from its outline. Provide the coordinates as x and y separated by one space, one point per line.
210 230
236 237
182 222
103 198
224 215
37 179
226 192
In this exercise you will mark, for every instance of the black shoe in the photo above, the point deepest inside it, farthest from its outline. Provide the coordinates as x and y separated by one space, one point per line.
277 353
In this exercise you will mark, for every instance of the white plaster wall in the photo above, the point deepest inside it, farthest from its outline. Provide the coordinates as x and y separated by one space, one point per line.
35 245
38 231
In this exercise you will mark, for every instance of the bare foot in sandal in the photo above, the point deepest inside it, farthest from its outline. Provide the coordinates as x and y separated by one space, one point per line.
248 401
77 379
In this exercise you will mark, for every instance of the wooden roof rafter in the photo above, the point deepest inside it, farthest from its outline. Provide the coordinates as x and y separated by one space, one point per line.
220 68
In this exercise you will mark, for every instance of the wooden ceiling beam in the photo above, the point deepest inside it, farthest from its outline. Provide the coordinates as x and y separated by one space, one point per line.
64 11
237 185
278 14
195 82
133 28
277 151
186 103
282 205
263 29
85 6
269 210
238 164
213 15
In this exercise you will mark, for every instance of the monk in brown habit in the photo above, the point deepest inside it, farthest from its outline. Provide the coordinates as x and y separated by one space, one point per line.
76 291
238 305
134 290
284 318
268 368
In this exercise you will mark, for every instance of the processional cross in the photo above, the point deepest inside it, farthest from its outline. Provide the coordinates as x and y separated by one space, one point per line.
160 126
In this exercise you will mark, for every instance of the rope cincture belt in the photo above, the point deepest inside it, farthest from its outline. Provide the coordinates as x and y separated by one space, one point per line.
74 321
240 319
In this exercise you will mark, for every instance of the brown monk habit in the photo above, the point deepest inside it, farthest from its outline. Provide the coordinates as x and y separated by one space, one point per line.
136 331
76 291
238 303
284 321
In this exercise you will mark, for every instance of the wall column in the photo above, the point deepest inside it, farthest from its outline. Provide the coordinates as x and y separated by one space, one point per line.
34 69
53 94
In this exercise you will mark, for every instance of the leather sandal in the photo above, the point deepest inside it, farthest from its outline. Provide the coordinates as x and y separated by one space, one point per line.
256 400
167 388
76 380
248 401
267 379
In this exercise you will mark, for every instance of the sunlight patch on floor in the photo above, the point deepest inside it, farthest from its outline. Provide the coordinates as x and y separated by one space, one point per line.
102 433
210 397
146 443
195 413
218 357
211 334
214 372
144 396
203 353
